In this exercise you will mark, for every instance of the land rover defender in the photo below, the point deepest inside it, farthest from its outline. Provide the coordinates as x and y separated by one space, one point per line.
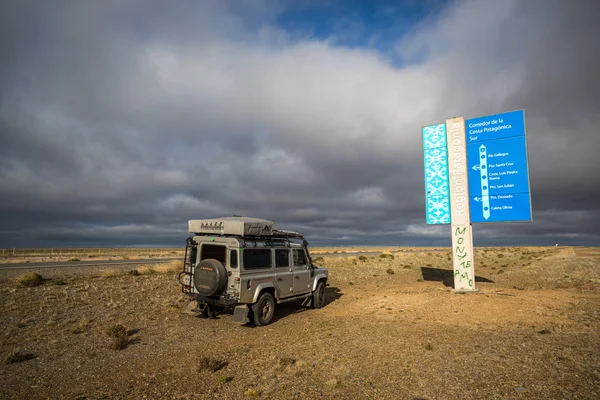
245 265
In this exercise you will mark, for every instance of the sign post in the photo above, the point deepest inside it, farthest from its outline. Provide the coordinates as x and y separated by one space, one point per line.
477 173
462 234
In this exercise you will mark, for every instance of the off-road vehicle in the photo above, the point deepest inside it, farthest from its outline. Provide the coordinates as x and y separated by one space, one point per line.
244 264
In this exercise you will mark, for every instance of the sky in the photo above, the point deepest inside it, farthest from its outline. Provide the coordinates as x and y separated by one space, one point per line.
121 120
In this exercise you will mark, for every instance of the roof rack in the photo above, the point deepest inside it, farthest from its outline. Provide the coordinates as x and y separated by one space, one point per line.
239 227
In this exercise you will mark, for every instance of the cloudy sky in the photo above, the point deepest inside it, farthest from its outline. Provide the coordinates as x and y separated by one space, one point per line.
121 120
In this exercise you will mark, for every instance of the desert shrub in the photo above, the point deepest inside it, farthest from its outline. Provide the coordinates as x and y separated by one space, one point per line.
125 257
319 260
118 334
419 279
406 266
285 361
116 331
362 258
73 259
211 364
501 271
500 255
390 271
251 393
223 380
331 384
30 279
350 283
386 255
171 266
81 328
146 270
111 272
59 282
17 356
429 347
134 272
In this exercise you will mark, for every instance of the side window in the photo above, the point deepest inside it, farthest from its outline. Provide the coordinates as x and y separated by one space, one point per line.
282 258
299 258
233 259
257 258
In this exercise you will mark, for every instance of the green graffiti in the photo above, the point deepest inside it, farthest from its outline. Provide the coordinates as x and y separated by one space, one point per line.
461 254
459 232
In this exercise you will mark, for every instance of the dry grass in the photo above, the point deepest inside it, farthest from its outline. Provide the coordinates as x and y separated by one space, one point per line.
30 279
111 273
535 327
171 266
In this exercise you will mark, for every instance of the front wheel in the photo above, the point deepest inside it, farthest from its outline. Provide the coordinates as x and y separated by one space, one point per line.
263 310
318 300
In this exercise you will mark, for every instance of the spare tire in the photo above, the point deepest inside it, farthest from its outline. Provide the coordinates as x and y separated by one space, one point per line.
210 277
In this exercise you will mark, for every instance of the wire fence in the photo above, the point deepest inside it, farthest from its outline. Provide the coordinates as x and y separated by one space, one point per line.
14 251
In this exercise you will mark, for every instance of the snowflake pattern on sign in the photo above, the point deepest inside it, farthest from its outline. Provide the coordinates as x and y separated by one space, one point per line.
437 193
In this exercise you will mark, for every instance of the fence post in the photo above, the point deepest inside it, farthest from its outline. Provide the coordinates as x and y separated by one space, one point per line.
13 251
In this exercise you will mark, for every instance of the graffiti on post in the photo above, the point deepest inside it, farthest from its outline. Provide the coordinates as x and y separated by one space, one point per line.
462 254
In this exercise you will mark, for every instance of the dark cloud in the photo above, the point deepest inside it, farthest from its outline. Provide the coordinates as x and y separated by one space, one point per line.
121 120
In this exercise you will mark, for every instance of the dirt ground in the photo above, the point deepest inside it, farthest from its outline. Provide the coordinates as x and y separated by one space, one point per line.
391 329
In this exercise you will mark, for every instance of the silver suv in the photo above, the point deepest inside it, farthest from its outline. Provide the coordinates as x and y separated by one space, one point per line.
245 265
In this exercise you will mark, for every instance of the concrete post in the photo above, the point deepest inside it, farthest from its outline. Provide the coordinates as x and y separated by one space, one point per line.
462 233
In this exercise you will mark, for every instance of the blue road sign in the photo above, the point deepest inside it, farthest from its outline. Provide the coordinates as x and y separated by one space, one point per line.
437 192
498 169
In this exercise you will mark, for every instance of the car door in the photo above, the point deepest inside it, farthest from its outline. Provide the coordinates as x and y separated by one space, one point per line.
284 279
300 271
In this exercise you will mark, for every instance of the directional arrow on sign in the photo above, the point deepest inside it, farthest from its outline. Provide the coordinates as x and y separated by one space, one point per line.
476 167
477 199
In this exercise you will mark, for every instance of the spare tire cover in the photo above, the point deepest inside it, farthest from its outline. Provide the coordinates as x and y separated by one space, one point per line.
210 277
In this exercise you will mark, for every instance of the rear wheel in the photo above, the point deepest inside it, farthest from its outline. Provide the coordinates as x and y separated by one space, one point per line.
263 310
318 300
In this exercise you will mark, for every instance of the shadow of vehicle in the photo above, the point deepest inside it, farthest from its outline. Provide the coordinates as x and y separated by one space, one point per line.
446 276
284 310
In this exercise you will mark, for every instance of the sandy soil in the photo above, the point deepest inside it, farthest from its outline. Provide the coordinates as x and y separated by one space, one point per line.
533 332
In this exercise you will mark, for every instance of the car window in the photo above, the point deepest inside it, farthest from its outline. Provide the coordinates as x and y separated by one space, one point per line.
233 258
299 258
282 258
214 251
257 258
